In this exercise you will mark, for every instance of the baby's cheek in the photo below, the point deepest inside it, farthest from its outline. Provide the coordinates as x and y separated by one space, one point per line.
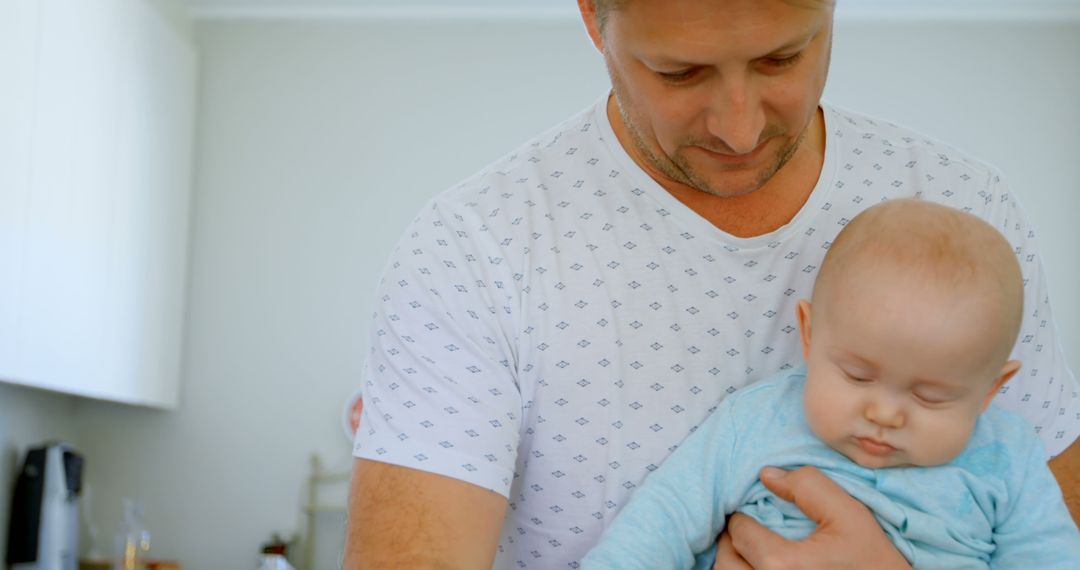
819 415
943 443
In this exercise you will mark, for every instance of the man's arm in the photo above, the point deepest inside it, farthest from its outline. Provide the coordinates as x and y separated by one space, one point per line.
404 518
1066 469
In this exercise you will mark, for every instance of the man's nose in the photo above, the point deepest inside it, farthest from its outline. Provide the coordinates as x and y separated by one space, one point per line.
736 115
885 412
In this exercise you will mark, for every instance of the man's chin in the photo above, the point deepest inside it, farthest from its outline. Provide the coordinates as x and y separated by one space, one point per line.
727 180
729 183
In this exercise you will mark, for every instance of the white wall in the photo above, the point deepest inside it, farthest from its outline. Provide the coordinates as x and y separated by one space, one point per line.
319 141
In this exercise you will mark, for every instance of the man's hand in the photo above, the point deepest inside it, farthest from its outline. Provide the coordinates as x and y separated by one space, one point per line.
403 518
726 556
847 535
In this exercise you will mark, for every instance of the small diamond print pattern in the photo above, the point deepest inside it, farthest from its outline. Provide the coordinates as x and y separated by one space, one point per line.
554 326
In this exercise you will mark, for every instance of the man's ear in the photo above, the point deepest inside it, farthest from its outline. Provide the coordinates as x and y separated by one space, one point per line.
592 25
1008 371
802 311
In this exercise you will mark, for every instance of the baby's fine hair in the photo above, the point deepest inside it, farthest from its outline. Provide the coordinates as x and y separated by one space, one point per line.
935 244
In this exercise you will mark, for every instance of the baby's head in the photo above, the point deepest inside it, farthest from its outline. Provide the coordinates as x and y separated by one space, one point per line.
914 314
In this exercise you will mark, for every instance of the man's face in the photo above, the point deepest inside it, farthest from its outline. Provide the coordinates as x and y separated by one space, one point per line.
716 94
897 374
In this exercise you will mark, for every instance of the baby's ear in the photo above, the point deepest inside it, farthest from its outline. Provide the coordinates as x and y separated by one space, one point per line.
1008 371
802 312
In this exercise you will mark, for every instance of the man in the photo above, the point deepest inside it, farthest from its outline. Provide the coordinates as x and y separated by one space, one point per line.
549 330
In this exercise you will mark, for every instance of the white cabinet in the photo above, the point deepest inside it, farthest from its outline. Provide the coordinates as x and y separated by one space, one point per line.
18 46
99 259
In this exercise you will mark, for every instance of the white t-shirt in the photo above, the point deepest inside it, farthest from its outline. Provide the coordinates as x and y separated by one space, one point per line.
552 327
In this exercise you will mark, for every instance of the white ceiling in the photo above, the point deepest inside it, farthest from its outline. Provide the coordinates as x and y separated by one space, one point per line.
422 8
853 9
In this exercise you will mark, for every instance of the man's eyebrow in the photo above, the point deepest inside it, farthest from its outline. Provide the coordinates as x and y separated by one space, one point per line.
799 42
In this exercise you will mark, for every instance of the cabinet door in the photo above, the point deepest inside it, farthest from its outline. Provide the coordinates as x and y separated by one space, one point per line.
95 201
18 51
148 272
69 210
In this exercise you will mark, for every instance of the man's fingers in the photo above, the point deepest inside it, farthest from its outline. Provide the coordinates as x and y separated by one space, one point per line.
727 558
846 533
817 496
753 542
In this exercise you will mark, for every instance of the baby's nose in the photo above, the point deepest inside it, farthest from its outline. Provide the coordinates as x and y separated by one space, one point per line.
885 414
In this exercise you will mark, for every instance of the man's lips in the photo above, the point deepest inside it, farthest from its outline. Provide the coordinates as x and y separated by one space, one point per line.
735 158
874 447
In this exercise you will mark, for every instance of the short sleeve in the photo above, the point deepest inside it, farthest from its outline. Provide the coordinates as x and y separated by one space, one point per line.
439 387
1044 391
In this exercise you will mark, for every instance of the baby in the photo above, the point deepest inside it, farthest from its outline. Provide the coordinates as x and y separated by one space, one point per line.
915 312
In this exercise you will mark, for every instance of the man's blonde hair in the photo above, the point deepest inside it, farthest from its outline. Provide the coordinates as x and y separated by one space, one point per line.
605 7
